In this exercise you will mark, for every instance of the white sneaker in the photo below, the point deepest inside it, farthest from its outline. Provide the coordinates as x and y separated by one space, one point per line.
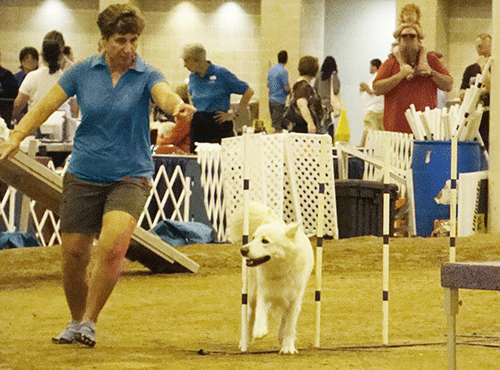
68 336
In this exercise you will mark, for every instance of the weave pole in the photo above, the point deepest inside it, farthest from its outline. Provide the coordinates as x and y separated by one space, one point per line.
453 196
386 231
323 157
244 240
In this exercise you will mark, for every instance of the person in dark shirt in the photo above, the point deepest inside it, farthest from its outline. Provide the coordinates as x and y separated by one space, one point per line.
28 57
8 92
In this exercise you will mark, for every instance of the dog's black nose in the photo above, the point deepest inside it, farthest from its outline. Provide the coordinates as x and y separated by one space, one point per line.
244 252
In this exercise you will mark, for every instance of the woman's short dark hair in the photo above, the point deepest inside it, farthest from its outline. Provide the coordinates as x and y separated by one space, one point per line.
28 50
328 67
52 50
376 63
120 19
308 66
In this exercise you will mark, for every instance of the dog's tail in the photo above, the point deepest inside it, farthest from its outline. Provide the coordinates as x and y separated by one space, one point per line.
258 214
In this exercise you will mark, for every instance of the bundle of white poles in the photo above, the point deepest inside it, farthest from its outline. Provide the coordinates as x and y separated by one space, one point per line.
462 120
438 124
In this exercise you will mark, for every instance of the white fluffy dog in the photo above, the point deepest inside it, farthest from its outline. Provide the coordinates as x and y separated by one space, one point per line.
281 260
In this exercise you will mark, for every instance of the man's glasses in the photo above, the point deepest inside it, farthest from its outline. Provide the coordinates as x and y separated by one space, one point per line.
409 35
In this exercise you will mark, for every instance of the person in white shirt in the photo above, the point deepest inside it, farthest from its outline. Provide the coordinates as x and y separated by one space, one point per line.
37 83
373 105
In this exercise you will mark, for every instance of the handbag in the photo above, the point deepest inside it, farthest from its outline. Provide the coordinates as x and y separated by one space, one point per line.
291 114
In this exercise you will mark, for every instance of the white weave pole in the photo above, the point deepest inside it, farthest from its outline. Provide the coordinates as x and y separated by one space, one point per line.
453 195
244 269
323 158
386 231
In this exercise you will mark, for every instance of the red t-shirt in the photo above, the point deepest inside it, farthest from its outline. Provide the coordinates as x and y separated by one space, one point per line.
420 91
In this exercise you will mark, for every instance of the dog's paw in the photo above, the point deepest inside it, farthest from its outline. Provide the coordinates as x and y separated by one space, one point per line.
243 345
288 350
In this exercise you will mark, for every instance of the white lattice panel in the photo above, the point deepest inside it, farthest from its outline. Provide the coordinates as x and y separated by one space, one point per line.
179 202
7 209
211 182
400 153
284 174
47 223
266 172
304 169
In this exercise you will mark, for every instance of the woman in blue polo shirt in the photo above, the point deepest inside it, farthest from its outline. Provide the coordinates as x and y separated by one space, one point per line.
108 179
210 88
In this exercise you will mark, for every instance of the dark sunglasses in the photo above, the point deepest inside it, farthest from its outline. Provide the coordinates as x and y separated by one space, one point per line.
408 36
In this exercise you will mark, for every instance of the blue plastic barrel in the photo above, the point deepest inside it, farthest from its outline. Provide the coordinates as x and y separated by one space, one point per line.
431 170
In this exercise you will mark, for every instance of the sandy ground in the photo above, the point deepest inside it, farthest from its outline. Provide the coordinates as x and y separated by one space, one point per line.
163 321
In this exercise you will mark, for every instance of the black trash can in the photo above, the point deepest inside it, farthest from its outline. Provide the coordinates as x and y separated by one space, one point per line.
360 207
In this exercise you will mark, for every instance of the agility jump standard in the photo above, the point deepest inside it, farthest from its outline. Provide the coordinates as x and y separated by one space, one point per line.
45 186
323 158
244 240
386 231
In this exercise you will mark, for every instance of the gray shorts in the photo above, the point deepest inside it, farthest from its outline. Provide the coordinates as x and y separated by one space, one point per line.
85 203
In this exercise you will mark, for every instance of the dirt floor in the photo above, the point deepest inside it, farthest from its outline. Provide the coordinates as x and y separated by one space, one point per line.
192 321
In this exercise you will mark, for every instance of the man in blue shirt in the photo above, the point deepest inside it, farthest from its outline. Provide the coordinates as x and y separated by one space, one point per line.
210 88
279 88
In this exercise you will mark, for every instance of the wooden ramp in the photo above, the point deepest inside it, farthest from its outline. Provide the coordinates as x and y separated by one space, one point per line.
45 186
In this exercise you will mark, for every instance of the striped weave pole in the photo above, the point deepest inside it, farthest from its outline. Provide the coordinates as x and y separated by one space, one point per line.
244 270
386 231
323 157
453 196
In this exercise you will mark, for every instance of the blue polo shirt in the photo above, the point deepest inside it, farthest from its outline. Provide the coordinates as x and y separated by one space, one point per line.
212 92
277 78
113 138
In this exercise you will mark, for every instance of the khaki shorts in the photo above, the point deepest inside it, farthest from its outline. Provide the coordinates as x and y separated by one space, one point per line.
85 203
374 121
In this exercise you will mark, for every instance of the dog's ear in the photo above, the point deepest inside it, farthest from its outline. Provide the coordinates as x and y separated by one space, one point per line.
291 229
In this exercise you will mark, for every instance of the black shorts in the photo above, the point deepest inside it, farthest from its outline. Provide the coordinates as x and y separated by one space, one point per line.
85 203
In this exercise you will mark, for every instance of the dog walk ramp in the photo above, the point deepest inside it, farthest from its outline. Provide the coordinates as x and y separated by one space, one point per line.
45 186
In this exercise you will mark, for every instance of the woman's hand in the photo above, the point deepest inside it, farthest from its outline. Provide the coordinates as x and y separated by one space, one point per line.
184 110
224 116
10 147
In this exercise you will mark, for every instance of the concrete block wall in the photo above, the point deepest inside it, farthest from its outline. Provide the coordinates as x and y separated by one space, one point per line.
25 23
230 33
467 19
242 35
